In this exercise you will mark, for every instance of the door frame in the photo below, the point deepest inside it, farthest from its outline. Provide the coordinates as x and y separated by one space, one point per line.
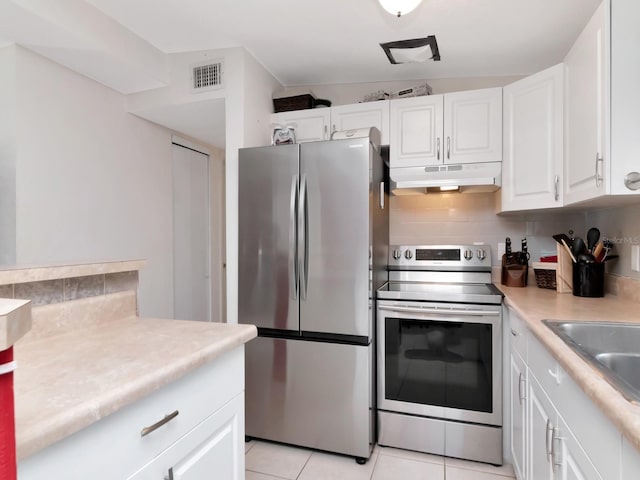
216 209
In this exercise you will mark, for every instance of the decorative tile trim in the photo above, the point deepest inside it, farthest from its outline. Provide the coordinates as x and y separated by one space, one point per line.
55 272
61 290
82 287
40 293
119 282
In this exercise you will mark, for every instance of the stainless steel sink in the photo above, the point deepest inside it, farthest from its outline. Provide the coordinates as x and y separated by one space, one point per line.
612 348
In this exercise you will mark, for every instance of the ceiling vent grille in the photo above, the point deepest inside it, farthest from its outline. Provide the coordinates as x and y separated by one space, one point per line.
207 76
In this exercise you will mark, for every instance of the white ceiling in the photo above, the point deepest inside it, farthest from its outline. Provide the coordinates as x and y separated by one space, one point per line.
307 42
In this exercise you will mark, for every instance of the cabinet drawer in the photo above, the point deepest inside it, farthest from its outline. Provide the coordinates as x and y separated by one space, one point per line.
518 334
215 447
118 436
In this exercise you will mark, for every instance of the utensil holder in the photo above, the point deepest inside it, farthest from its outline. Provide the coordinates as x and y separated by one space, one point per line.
588 279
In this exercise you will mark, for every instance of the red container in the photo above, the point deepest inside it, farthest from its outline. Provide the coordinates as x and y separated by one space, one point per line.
7 417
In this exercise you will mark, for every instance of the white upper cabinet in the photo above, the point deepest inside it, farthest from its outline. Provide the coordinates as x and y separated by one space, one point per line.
416 129
362 115
311 125
586 156
461 127
602 145
319 123
533 142
473 126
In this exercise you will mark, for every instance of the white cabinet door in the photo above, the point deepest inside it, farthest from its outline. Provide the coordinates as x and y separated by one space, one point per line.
542 418
473 126
518 403
586 106
533 141
212 450
362 115
573 461
415 137
310 125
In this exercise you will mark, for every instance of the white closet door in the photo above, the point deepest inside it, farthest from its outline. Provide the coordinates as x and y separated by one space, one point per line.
192 290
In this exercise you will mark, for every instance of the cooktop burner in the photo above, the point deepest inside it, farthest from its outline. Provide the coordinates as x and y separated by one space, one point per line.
441 292
440 273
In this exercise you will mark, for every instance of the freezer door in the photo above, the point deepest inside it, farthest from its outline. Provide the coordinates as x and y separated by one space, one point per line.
334 245
311 394
267 263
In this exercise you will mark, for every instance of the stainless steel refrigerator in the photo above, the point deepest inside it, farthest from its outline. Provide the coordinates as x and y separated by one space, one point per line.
313 240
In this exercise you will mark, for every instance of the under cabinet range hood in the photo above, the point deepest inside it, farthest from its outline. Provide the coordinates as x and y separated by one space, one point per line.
463 177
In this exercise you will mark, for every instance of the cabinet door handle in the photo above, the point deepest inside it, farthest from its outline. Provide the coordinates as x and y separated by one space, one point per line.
438 148
167 418
448 148
514 332
556 193
549 439
521 388
555 437
326 133
599 162
169 475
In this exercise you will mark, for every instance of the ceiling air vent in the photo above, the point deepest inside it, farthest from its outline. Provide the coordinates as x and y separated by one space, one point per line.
206 77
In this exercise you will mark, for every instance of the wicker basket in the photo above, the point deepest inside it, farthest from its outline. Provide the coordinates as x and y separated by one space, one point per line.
297 102
545 274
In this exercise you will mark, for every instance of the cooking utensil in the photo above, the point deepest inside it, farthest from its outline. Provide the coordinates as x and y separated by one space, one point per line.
598 250
563 236
593 235
585 258
578 246
566 247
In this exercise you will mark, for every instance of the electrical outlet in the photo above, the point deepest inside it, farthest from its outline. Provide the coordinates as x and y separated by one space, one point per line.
501 249
635 258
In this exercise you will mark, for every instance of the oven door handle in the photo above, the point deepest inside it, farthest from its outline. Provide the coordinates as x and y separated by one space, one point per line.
438 311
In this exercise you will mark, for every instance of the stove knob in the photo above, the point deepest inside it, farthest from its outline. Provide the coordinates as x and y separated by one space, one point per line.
396 254
408 254
481 254
468 254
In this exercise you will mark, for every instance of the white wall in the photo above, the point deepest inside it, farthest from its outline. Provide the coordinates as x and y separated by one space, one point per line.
7 156
93 181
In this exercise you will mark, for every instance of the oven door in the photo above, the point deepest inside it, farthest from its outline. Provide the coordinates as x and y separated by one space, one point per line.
440 360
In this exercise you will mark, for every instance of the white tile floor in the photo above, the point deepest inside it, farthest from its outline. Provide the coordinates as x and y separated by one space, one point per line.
271 461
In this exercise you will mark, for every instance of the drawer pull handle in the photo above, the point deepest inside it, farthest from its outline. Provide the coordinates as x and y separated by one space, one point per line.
514 332
167 418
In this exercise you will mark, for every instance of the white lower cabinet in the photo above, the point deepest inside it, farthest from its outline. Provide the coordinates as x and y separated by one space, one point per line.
209 451
195 430
556 431
518 402
540 433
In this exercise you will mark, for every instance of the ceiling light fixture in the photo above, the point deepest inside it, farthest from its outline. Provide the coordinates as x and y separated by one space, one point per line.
399 7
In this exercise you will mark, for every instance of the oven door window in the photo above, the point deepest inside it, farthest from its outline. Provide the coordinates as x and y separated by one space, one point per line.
446 364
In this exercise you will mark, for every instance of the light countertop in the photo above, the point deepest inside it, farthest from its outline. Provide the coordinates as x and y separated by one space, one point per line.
67 382
534 304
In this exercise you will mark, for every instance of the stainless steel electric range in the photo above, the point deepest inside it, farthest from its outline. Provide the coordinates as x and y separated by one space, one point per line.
439 353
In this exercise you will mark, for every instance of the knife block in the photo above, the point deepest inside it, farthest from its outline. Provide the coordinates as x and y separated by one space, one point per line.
564 272
513 274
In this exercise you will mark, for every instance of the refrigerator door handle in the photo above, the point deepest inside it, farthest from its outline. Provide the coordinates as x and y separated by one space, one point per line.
303 257
293 244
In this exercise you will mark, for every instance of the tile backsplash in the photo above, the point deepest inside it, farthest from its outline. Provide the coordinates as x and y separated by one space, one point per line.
622 226
468 218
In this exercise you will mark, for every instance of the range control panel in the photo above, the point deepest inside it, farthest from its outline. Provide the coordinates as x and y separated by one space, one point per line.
440 257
